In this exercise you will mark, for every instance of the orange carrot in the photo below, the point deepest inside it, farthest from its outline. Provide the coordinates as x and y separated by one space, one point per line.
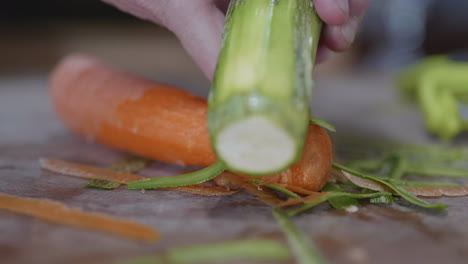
61 214
311 173
130 113
157 121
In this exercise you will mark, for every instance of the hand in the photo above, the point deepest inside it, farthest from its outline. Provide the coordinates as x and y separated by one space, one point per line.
199 23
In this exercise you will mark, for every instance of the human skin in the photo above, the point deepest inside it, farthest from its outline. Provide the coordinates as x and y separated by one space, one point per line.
198 24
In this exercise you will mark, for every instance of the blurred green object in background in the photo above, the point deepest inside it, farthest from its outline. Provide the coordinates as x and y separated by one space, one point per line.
439 84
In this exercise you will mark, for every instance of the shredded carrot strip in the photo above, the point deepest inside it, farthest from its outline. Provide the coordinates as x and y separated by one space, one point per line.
275 179
233 181
229 180
367 183
438 191
61 214
86 172
297 189
307 199
425 191
204 190
89 172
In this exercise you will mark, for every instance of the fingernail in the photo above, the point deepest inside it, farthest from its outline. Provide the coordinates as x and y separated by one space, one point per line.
349 30
343 5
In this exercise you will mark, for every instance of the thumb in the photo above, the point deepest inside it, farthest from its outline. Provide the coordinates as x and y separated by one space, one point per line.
199 27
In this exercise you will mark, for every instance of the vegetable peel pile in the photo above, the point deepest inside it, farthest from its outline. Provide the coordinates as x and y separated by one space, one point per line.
229 183
89 172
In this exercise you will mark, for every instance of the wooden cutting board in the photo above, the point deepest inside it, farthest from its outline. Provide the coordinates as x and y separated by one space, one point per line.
357 105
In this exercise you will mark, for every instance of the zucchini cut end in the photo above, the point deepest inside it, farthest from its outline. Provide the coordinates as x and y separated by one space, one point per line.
251 146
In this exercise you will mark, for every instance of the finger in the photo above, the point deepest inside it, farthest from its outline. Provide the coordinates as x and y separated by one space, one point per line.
339 38
332 12
144 9
222 5
322 54
199 27
357 8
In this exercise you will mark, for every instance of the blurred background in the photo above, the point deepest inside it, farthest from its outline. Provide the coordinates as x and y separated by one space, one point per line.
34 35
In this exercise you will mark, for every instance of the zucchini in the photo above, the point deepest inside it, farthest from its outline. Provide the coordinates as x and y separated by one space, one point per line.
259 103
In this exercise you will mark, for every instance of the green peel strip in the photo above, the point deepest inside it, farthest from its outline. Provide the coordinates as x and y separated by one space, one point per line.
402 192
103 184
339 202
393 166
384 199
251 250
130 164
422 183
301 247
322 123
277 188
192 178
333 195
255 250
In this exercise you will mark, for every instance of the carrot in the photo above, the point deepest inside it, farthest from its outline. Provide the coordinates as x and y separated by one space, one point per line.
61 214
130 113
311 173
156 120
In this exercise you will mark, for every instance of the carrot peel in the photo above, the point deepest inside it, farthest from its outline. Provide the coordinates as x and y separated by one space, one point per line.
61 214
88 172
231 180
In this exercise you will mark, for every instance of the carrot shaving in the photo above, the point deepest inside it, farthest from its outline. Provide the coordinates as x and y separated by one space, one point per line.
89 172
229 180
366 183
337 177
271 179
425 191
203 190
263 194
61 214
438 191
307 199
275 179
297 189
86 172
233 181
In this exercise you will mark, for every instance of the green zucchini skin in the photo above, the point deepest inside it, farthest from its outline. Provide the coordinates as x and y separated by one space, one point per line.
265 69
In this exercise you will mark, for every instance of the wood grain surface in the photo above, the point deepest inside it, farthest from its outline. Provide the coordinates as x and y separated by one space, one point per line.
364 105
